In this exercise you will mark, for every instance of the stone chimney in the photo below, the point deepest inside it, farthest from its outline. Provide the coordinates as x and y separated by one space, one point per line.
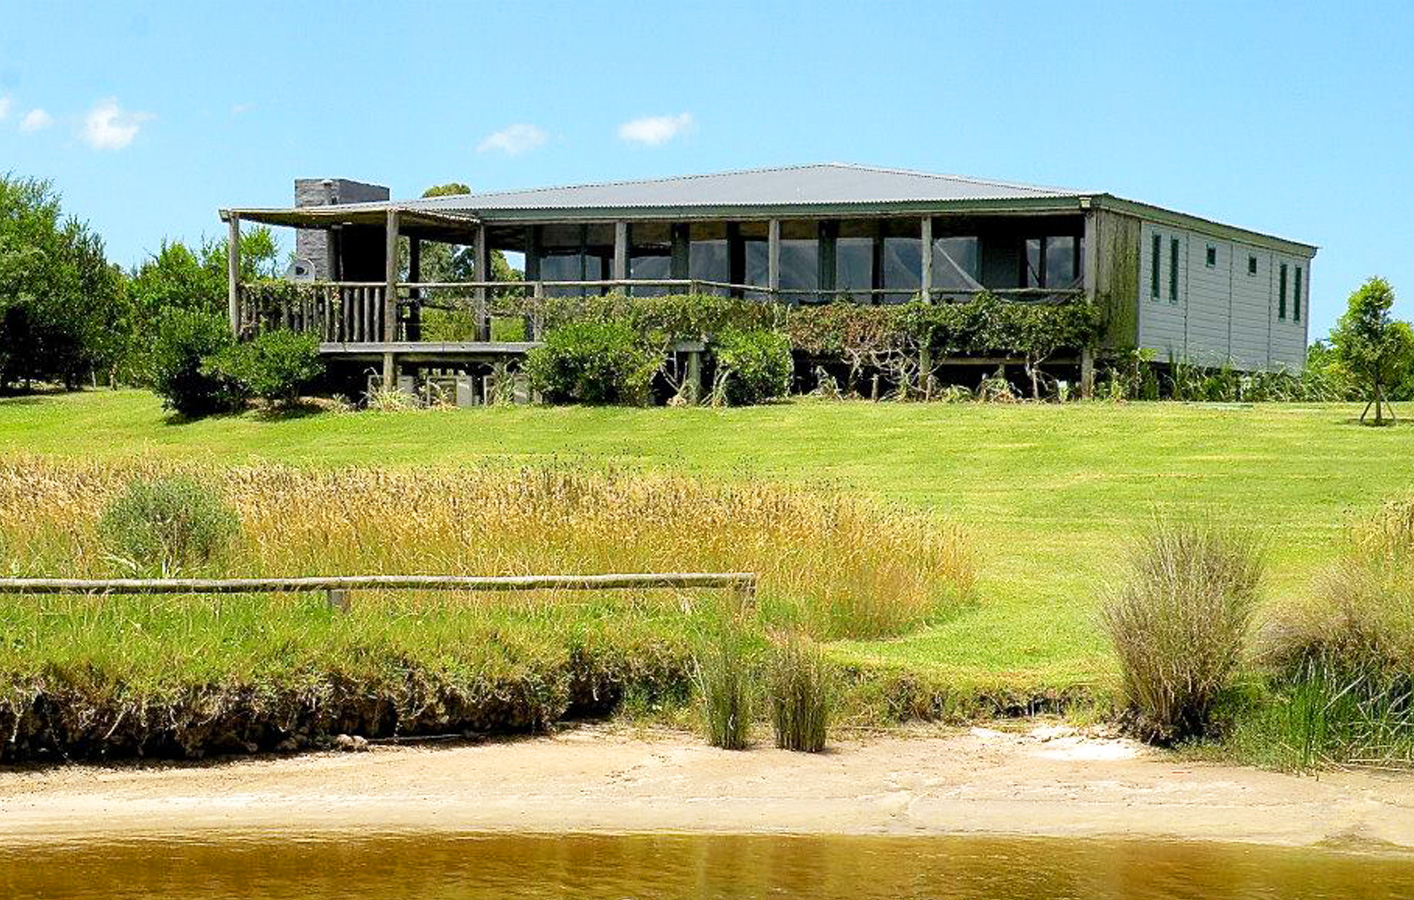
313 245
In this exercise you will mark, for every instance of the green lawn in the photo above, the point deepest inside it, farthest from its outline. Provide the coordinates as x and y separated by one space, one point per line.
1050 494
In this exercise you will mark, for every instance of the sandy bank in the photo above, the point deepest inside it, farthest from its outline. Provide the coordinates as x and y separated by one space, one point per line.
926 781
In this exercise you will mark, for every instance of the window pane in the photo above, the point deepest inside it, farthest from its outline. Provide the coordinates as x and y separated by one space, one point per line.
1281 292
1154 267
707 261
854 267
756 262
1173 270
1033 263
1296 297
562 267
1060 262
800 266
903 267
654 268
957 264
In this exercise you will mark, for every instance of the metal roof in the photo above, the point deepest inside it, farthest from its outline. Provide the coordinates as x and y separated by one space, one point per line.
824 184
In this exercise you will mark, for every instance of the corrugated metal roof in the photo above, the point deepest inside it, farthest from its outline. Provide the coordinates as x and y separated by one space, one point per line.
823 184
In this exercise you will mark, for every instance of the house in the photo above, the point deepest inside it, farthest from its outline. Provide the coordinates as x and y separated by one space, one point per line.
1184 287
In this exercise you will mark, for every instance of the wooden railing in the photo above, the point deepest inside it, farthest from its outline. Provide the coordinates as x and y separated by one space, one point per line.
354 312
336 589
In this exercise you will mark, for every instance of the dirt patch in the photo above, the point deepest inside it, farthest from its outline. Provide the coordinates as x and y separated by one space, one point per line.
1037 780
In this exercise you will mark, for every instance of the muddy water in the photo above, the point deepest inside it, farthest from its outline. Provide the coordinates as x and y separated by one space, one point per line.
737 867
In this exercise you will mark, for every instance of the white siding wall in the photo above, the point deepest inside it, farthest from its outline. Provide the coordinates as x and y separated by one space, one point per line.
1223 313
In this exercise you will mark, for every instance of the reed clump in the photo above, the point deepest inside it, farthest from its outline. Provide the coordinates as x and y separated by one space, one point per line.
1179 623
724 669
801 693
1341 665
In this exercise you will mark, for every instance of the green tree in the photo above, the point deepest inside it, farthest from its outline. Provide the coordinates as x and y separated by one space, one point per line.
1376 349
61 303
456 262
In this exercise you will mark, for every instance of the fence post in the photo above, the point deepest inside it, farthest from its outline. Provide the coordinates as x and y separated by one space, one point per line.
338 599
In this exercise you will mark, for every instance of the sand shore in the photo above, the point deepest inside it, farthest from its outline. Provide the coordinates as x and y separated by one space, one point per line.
1043 780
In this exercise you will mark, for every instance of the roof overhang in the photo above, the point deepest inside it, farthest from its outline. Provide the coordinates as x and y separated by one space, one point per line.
432 224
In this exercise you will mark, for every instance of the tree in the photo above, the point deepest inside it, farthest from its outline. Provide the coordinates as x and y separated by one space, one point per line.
61 303
454 262
1373 347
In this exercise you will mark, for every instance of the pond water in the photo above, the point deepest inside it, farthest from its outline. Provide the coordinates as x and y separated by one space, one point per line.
467 867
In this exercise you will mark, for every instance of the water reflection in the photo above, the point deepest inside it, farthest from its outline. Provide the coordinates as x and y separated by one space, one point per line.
467 867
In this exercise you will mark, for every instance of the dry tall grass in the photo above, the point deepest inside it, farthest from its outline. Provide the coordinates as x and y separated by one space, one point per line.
841 565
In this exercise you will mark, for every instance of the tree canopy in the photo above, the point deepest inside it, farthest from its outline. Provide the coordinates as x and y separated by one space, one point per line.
1376 349
450 262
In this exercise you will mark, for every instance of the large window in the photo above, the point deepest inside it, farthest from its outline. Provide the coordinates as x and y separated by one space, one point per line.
1052 262
854 267
903 268
957 264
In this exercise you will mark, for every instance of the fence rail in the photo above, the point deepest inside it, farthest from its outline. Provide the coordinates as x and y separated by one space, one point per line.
336 588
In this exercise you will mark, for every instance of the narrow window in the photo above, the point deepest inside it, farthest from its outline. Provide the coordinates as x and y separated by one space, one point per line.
1251 265
1173 270
1212 256
1154 267
1281 292
1296 297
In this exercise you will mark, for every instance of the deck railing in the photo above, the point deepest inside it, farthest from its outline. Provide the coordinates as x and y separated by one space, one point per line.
354 312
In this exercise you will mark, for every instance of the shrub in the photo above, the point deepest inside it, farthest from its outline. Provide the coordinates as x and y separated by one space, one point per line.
593 362
1179 625
800 692
275 366
166 524
722 667
184 339
1342 666
755 364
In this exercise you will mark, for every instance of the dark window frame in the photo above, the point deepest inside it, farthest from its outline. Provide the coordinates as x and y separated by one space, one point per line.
1251 265
1173 270
1281 292
1296 297
1156 257
1212 256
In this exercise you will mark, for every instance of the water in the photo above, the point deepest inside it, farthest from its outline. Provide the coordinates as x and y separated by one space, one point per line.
442 867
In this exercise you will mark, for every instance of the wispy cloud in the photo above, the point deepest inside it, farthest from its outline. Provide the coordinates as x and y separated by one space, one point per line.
35 120
241 109
110 127
655 130
514 139
4 106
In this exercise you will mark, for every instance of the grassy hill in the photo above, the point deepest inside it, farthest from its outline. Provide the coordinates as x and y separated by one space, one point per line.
1051 495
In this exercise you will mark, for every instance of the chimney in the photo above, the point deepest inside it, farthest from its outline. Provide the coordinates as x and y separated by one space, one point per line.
314 246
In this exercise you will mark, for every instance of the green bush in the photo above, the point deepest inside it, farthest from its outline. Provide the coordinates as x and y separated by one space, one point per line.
274 366
184 340
754 365
1179 625
801 690
165 525
593 362
723 673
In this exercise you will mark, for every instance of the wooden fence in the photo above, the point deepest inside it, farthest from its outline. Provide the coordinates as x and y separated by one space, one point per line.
336 588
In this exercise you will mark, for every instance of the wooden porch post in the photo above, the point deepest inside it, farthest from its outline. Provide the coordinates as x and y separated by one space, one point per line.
233 273
773 257
681 262
926 248
1090 269
390 300
620 272
414 319
481 260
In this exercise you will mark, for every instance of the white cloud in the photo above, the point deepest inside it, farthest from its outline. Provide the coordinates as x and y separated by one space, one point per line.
109 127
655 130
241 109
35 120
514 139
4 107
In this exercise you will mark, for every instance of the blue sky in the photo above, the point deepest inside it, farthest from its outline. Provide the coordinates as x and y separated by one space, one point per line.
1291 118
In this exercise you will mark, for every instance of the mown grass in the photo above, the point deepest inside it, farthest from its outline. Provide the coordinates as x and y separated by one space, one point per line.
1049 495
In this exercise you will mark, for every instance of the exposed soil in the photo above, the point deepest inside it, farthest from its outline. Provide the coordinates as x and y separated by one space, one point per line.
1038 780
